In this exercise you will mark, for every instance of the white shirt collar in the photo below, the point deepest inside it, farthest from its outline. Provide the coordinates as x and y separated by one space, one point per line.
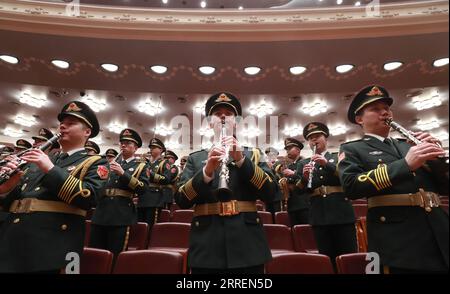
130 159
69 153
381 138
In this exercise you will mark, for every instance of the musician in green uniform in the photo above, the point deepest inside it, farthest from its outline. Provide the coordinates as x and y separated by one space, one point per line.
331 214
110 154
227 235
168 190
405 224
115 211
92 148
48 208
21 145
159 174
298 201
275 205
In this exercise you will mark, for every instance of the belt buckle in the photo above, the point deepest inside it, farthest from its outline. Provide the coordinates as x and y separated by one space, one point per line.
323 190
23 206
228 208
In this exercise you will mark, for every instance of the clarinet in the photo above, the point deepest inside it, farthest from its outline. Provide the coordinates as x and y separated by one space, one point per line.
310 179
5 176
223 187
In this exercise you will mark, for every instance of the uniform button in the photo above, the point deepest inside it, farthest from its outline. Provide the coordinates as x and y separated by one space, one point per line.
380 160
111 198
324 195
16 220
382 219
257 220
346 199
129 204
37 189
197 224
64 227
320 168
116 181
428 209
414 173
321 177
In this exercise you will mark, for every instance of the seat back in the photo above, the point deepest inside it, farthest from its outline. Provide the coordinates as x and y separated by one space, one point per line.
299 263
96 261
149 262
182 216
164 216
266 217
304 240
138 236
352 263
279 237
282 218
174 235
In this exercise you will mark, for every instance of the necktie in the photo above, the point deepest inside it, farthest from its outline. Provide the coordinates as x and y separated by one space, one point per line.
61 157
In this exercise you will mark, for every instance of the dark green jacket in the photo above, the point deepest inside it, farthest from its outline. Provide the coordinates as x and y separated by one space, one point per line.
39 241
159 174
335 208
117 210
298 198
226 241
404 236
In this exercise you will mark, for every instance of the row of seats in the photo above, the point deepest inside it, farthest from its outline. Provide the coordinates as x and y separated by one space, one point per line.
98 261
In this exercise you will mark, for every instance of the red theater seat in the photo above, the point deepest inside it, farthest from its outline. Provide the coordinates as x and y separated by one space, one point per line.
170 236
304 240
282 218
164 216
182 216
138 236
96 261
360 210
299 263
266 217
149 262
352 263
279 238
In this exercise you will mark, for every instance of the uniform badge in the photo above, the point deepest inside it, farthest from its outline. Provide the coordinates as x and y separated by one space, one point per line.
73 107
341 156
223 98
131 169
102 172
376 152
331 160
71 168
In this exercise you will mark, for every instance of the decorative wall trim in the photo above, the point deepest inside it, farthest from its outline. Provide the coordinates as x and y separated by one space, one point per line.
225 25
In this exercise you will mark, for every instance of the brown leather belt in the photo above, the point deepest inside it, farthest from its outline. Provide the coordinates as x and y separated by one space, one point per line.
151 185
29 205
326 190
229 208
424 199
119 193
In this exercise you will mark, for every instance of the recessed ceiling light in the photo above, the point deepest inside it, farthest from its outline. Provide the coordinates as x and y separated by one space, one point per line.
252 70
339 2
60 63
206 70
241 7
344 68
440 62
297 70
357 3
203 4
110 67
392 65
159 69
10 132
165 1
9 59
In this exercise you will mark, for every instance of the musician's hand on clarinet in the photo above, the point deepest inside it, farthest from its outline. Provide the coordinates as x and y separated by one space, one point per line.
288 172
234 147
215 156
307 170
320 159
426 137
39 158
116 168
419 154
13 181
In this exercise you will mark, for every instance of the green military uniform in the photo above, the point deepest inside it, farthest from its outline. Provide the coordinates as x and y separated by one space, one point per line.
168 190
226 232
331 214
92 146
405 226
275 205
159 173
115 210
298 201
48 210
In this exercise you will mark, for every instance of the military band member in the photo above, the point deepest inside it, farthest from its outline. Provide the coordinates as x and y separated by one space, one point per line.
43 136
48 208
159 174
170 189
21 145
111 154
275 205
183 161
227 235
405 224
115 211
92 148
331 214
298 202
